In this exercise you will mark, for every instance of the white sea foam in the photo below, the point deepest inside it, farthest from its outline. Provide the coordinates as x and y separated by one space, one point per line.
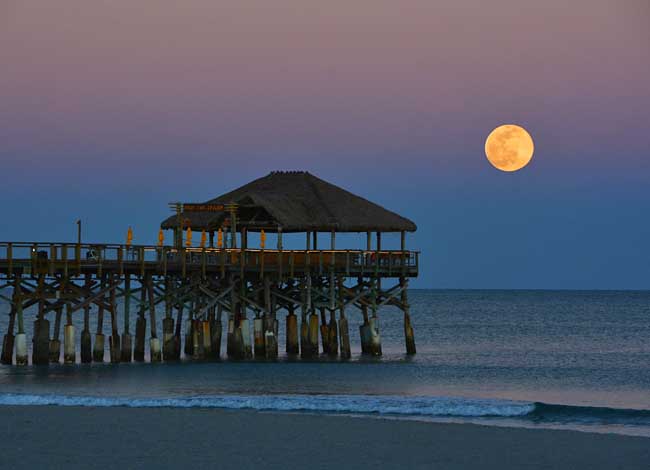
358 404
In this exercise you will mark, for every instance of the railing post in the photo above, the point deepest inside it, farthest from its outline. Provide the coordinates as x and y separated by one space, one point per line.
77 255
10 256
141 255
64 258
120 259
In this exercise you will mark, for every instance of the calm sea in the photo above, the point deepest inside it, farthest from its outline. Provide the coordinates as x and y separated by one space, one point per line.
559 359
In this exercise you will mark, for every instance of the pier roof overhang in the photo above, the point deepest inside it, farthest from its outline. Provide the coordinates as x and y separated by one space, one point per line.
296 201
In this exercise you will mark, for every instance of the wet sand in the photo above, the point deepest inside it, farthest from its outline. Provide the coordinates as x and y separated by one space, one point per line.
82 438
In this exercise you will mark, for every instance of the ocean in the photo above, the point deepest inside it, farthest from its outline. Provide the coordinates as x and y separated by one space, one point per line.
540 359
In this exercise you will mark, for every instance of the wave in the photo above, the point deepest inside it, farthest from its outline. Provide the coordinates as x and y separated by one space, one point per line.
400 406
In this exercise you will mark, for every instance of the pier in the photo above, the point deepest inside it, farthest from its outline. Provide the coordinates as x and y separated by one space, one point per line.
219 290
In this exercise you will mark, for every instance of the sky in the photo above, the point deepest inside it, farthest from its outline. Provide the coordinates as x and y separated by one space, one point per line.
111 109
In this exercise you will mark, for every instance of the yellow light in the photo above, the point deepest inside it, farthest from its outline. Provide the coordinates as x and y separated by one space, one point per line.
219 239
129 237
161 238
203 238
188 242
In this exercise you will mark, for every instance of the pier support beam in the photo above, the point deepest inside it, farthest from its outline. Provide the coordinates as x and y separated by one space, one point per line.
409 337
154 342
140 325
375 339
86 346
324 330
333 336
292 332
41 350
98 347
114 340
21 338
127 341
313 335
9 338
364 331
55 342
215 331
69 350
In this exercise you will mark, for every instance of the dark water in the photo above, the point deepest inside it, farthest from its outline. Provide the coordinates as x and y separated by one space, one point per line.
565 359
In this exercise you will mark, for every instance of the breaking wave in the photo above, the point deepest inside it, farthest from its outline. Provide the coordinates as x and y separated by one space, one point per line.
441 407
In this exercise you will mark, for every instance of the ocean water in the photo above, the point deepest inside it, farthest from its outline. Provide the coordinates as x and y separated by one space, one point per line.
553 359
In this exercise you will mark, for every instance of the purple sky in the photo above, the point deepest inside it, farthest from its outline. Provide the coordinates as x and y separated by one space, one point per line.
110 109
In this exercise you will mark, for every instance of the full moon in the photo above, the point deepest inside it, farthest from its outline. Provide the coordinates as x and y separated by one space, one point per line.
509 147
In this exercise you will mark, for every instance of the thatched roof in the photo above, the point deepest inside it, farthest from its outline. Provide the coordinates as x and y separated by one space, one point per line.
298 202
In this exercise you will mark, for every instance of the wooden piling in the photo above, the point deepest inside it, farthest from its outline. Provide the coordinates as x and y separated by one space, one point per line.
41 341
177 331
154 342
259 349
86 346
69 350
127 341
409 337
98 347
55 342
215 330
313 335
9 338
292 347
333 336
140 325
364 331
324 330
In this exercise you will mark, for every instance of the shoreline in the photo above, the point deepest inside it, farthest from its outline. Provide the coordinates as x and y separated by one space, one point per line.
93 437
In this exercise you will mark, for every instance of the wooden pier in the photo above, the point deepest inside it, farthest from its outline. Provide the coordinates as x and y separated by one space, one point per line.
206 289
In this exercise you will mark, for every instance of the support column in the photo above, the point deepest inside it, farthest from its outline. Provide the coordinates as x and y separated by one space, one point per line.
292 332
40 353
98 347
333 336
9 339
344 331
409 337
177 330
324 330
215 330
86 342
364 331
270 323
55 342
140 325
154 342
207 333
127 341
114 340
69 350
21 339
169 346
373 322
259 348
188 350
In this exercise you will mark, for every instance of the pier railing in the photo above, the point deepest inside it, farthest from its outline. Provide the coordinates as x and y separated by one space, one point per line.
71 258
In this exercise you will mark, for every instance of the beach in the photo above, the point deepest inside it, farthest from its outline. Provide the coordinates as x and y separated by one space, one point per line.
118 437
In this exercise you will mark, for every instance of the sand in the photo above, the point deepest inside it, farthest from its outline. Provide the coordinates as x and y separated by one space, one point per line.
71 438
